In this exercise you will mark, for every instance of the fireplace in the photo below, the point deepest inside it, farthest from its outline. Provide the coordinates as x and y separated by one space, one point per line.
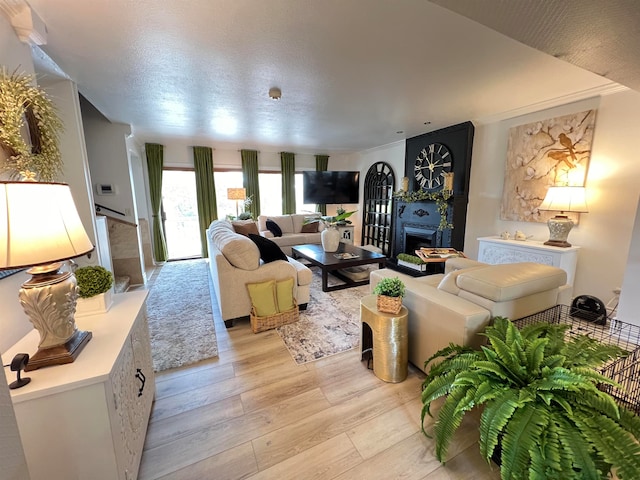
415 238
416 225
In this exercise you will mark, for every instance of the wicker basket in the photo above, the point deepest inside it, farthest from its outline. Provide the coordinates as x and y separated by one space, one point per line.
260 324
389 304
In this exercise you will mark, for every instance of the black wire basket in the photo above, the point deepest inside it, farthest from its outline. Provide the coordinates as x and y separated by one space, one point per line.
623 370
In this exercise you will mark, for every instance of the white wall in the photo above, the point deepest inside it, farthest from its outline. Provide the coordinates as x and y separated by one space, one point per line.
13 323
630 301
604 234
64 93
108 155
179 153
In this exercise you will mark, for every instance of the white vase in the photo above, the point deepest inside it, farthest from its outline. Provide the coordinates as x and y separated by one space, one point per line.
330 239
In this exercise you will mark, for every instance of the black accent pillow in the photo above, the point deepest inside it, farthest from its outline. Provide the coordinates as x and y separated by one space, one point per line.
274 228
269 251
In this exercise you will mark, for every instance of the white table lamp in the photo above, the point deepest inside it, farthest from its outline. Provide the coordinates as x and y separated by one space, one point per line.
563 199
40 228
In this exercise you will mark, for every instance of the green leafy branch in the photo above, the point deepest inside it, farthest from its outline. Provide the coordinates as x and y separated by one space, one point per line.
23 106
441 198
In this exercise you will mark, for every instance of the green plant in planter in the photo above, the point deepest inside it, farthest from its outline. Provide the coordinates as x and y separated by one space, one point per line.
541 401
93 280
246 205
332 221
410 258
390 287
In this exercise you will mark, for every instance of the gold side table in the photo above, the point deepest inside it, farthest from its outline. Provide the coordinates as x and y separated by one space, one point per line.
385 338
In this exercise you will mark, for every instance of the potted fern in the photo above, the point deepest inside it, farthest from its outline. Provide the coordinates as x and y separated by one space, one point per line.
541 406
390 292
94 290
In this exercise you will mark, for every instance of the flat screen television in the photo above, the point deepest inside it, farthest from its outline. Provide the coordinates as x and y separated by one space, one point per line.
331 187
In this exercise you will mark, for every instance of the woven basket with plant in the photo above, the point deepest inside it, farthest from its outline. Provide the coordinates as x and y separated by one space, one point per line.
390 292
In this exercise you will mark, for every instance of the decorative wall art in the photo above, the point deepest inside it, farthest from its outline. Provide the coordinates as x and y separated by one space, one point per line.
541 154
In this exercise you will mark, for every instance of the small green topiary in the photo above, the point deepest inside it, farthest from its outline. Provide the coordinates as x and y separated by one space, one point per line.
93 280
390 287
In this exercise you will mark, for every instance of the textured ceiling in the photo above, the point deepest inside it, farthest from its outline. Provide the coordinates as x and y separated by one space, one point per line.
353 73
602 36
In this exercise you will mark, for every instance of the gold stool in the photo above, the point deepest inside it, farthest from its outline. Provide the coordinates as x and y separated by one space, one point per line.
385 337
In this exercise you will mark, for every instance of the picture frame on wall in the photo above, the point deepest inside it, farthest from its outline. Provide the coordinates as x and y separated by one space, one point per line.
540 154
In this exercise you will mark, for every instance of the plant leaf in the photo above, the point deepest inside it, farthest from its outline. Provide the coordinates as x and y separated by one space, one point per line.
493 419
521 435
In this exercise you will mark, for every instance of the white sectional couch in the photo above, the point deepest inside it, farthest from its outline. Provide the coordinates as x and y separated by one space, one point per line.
234 261
291 226
455 306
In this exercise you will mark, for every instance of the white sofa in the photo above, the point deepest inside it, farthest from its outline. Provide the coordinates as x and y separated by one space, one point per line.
234 261
455 306
291 226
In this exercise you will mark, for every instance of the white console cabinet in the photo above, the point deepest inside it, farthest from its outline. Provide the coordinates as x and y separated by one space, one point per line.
495 250
88 419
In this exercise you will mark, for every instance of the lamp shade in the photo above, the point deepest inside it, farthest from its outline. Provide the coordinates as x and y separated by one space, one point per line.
39 224
565 199
236 193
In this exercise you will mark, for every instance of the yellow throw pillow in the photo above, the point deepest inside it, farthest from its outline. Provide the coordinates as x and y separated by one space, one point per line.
284 294
263 297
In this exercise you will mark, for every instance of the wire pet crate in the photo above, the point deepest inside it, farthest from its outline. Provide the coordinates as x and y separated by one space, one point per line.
623 370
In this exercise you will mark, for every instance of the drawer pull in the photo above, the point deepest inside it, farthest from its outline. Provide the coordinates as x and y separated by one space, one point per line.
140 376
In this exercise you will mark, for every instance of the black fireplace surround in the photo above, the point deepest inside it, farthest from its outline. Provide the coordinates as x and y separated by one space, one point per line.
415 224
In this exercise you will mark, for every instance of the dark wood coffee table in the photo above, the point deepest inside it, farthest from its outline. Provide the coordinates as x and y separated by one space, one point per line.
329 263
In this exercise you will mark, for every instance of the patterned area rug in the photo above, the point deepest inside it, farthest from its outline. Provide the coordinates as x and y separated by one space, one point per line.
330 325
179 313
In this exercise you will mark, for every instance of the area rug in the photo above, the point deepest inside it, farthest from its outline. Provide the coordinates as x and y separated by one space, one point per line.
330 325
180 317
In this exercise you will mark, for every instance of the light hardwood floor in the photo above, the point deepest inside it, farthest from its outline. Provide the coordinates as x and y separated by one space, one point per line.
252 413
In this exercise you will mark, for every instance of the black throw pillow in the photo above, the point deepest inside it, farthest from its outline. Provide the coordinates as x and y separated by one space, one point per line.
274 228
269 251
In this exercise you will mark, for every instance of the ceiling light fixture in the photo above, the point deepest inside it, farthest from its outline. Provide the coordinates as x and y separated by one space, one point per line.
275 93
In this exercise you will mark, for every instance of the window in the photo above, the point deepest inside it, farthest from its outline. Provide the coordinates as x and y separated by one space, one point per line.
224 180
270 193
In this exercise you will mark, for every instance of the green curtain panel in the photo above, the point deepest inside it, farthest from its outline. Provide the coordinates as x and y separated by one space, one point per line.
288 167
322 163
154 166
205 192
250 179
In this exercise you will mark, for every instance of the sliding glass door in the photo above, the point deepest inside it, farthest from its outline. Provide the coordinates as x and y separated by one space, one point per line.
180 214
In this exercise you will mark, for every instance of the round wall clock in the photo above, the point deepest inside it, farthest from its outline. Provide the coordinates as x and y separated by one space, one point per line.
431 164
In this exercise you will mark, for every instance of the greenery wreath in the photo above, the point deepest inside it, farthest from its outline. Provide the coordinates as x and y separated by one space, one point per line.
441 198
21 103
